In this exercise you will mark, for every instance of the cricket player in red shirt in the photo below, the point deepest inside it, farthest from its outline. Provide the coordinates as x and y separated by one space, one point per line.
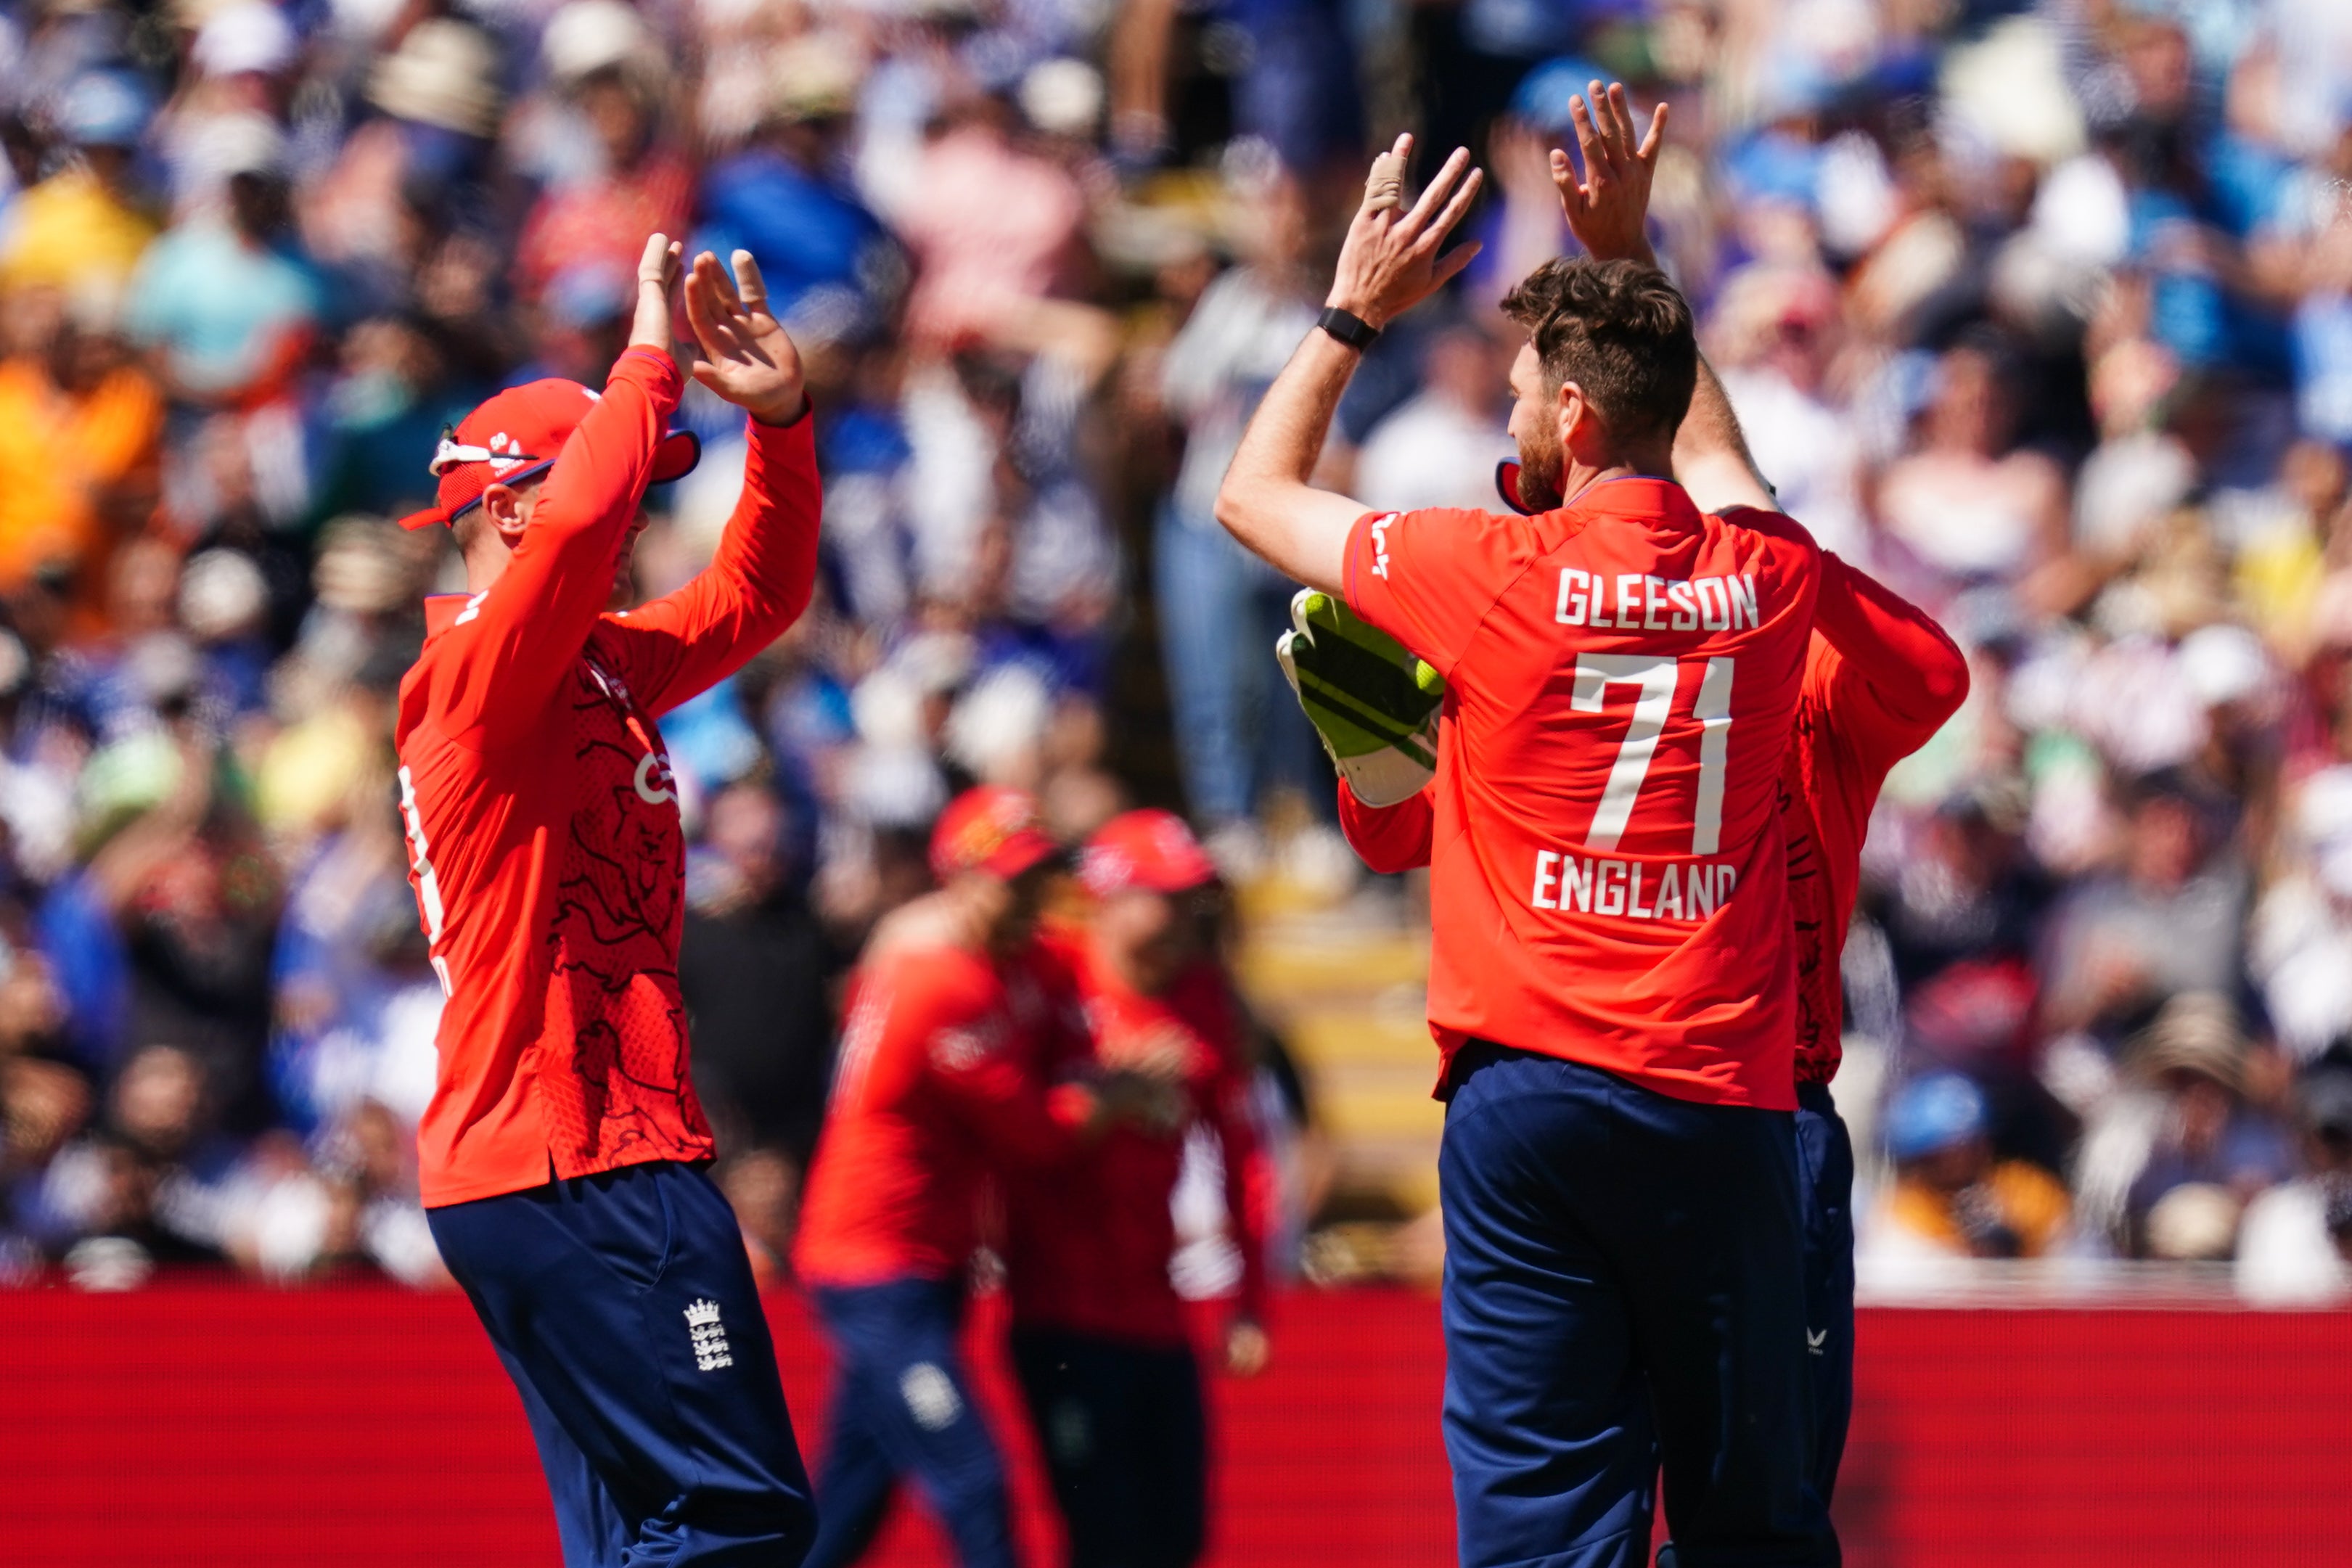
1101 1341
1881 677
954 1012
563 1155
1611 985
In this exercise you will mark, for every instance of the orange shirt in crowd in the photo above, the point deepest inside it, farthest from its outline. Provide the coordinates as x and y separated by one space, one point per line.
60 453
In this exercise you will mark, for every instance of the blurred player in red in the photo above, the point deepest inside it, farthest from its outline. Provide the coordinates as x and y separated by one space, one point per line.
1100 1339
952 1012
1612 983
562 1157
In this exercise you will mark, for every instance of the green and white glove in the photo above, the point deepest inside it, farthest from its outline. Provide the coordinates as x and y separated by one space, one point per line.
1372 701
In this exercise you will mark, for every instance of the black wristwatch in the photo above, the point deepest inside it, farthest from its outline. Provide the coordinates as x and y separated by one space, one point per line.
1347 327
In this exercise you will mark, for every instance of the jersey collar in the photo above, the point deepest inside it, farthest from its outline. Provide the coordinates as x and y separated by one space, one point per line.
1628 494
1640 496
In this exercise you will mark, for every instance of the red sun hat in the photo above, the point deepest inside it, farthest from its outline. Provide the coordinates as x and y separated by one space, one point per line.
990 828
520 433
1151 849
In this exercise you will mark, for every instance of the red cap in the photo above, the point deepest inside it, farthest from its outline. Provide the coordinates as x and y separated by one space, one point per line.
520 432
990 828
1153 850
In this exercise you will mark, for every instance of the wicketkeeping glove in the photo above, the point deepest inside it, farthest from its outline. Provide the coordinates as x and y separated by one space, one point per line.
1372 701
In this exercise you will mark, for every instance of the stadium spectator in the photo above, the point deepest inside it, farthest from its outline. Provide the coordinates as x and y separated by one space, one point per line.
752 961
2293 1241
1232 739
1440 448
1952 1196
2213 1147
81 430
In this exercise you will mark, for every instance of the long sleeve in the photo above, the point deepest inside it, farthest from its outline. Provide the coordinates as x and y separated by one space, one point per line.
1237 1140
1203 1001
511 648
1020 1121
756 585
1388 838
995 1078
1900 675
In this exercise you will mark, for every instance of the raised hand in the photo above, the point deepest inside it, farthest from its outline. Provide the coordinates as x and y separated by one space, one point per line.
657 276
1608 208
747 356
1389 263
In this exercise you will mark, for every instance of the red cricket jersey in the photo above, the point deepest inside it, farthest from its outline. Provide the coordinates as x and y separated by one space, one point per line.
542 829
1087 1244
1880 678
1607 881
940 1084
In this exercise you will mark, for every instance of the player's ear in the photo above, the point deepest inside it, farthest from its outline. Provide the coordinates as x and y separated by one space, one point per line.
507 510
1575 421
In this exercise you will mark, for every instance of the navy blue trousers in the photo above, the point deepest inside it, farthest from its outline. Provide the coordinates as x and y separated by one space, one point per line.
902 1406
1623 1290
1825 1169
1126 1445
624 1307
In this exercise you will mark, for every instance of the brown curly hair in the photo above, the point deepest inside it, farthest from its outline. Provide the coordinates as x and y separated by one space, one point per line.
1620 330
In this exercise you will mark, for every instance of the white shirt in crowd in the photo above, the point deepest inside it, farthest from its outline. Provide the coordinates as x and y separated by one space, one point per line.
2285 1257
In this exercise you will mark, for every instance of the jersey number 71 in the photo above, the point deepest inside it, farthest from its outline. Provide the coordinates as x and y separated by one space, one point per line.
1655 680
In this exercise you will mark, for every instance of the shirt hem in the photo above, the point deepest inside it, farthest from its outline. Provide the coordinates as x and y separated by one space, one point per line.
439 1196
1673 1086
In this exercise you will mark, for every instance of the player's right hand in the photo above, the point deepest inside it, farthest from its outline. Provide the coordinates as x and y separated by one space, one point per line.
1390 261
747 358
1371 700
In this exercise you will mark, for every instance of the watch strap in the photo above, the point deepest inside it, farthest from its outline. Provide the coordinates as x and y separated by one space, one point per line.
1347 327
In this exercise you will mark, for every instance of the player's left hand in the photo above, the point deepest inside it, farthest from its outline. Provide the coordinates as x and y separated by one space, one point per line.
657 276
1390 263
1247 1348
1608 210
747 356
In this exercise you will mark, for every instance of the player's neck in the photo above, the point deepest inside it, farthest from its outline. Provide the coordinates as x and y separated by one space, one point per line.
1578 478
1600 460
485 563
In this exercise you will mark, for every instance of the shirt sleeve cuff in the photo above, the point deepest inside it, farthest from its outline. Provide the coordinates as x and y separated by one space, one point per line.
650 368
800 435
1349 576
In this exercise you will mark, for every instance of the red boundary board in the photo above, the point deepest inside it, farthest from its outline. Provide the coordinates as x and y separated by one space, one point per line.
197 1424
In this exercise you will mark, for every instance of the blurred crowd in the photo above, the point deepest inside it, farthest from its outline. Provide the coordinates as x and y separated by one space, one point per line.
2042 314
